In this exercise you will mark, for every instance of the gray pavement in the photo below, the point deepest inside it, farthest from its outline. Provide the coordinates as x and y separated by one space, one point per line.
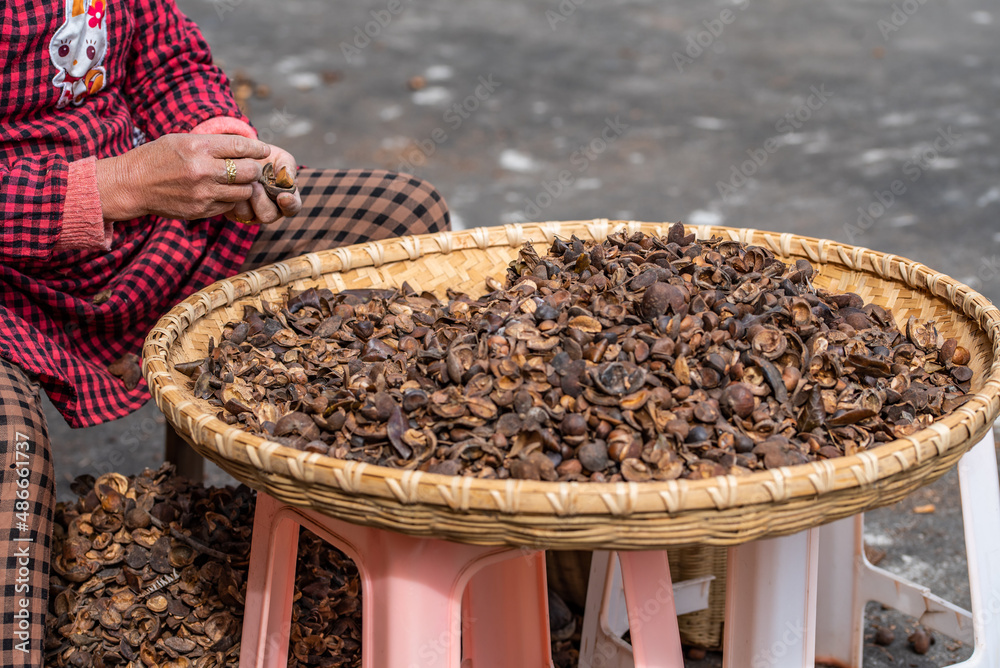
871 122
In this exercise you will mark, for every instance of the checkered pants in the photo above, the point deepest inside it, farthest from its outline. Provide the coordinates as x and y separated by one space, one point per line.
339 208
27 500
344 207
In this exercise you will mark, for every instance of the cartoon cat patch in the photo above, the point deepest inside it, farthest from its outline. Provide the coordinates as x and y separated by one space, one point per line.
77 50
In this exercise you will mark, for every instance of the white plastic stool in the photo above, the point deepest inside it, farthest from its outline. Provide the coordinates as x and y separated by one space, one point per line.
780 613
841 608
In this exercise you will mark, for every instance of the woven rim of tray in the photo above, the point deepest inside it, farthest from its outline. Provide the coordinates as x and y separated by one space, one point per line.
723 511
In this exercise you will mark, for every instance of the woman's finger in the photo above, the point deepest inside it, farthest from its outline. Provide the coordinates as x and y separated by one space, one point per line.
216 209
264 209
233 193
242 212
284 160
236 146
245 171
290 203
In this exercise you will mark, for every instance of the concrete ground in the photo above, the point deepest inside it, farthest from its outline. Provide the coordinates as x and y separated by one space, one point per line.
870 122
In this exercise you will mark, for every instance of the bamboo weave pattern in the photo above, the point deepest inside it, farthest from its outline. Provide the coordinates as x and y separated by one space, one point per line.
722 511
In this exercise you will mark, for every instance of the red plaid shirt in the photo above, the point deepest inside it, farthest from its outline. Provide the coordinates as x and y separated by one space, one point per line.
152 75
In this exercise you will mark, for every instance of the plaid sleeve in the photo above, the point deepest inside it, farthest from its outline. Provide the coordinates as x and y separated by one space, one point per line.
32 191
173 85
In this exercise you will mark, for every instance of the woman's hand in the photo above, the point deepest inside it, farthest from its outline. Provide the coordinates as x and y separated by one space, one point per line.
259 208
181 176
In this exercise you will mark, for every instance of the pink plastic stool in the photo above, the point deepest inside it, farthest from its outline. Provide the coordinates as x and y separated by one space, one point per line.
412 596
650 609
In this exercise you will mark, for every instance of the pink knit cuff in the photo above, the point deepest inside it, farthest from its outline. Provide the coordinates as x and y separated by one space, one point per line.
224 125
83 224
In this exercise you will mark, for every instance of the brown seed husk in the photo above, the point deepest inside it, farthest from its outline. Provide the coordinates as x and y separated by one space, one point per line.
129 612
707 349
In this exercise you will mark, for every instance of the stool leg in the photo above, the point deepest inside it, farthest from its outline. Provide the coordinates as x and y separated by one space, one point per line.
270 586
506 601
840 601
977 475
652 617
771 602
605 618
412 592
176 451
413 610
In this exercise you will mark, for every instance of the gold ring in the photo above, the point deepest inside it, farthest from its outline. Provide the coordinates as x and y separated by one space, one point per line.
240 220
230 171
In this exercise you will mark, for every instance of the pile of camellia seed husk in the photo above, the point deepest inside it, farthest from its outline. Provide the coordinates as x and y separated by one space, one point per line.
150 571
640 358
114 601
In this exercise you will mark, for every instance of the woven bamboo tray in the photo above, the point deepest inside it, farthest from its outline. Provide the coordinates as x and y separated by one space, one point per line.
722 511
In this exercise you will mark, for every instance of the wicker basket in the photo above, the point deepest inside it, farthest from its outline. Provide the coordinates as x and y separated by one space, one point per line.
722 511
702 628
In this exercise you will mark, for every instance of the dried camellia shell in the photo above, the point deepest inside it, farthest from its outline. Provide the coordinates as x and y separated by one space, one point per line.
180 645
181 555
65 602
137 518
116 612
111 618
659 298
770 343
219 625
277 182
136 556
922 333
114 554
682 354
617 378
296 423
122 600
115 481
585 324
105 521
100 541
157 603
76 570
635 470
146 537
159 555
127 368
